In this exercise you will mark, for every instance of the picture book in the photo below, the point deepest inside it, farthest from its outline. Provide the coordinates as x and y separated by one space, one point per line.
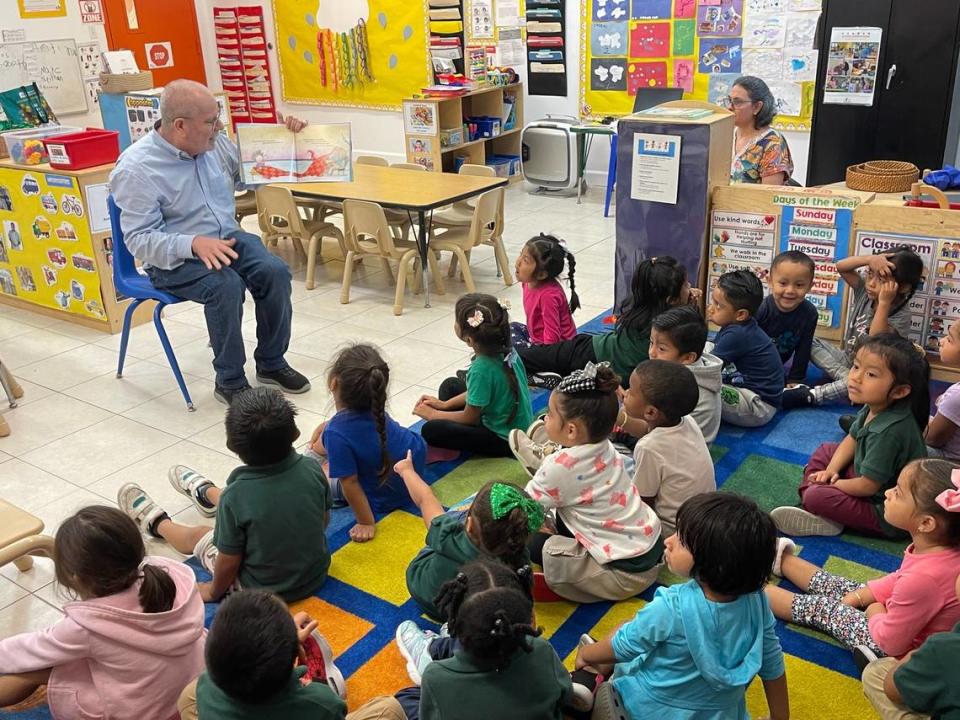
320 152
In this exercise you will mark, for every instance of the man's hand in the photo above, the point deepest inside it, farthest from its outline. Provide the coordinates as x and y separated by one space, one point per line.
215 253
294 124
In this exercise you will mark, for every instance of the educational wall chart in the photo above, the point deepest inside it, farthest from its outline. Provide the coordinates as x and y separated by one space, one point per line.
701 46
46 251
354 53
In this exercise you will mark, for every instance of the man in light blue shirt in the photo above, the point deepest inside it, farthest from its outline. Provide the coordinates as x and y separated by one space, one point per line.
174 188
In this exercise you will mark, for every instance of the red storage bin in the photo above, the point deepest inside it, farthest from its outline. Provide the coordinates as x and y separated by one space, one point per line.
90 147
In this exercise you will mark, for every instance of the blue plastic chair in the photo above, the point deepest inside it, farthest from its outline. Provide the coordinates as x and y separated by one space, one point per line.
131 283
611 174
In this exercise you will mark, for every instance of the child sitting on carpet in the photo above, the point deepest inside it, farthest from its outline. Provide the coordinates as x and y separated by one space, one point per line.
499 666
896 613
127 645
497 525
271 516
607 544
921 682
880 297
786 315
694 649
263 664
941 436
549 315
362 441
672 460
753 372
478 414
659 283
843 484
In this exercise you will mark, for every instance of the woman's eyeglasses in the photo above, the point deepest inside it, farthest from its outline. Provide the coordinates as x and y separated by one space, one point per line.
732 102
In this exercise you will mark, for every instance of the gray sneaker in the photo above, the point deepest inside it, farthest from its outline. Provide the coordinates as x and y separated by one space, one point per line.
798 522
530 453
141 508
192 484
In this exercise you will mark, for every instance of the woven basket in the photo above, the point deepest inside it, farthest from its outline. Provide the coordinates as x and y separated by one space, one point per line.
882 176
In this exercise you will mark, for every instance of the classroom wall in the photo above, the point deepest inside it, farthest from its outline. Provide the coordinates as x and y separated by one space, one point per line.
57 29
381 133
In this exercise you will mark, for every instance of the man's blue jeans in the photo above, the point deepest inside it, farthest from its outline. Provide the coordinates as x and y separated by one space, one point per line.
221 292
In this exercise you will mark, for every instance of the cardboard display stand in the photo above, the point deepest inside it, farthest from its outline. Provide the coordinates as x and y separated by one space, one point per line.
667 166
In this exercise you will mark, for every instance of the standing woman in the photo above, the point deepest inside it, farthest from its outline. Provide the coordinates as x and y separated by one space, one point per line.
760 153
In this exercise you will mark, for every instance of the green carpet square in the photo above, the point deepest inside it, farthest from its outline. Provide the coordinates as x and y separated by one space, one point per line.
717 452
771 483
474 474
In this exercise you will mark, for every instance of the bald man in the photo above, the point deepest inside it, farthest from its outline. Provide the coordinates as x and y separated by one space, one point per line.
174 188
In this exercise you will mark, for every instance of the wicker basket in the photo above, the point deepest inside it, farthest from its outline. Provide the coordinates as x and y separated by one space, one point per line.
882 176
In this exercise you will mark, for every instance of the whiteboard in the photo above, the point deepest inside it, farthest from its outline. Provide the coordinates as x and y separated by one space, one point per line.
52 64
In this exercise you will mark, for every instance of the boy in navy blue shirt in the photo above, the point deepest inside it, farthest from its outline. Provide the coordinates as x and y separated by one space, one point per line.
786 315
753 372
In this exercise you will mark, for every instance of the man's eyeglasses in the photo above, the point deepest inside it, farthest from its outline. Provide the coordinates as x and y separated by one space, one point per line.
732 102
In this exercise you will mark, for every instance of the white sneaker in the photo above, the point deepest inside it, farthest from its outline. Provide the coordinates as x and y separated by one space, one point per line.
141 508
798 522
320 663
414 645
784 545
537 432
192 484
530 453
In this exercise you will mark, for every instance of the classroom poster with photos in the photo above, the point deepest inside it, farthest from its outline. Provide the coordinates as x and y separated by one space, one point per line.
936 303
851 72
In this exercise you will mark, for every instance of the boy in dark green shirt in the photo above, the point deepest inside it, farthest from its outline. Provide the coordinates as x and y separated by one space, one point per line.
271 516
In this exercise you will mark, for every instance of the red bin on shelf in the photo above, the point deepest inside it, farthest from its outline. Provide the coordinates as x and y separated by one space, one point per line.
90 147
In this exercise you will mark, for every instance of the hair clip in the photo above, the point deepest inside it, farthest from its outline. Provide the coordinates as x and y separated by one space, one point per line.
476 319
142 565
504 303
949 500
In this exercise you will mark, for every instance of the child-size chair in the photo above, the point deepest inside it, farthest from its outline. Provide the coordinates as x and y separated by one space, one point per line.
367 233
371 160
13 390
130 282
280 218
462 240
20 537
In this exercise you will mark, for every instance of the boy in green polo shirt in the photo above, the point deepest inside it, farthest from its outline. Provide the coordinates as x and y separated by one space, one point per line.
271 516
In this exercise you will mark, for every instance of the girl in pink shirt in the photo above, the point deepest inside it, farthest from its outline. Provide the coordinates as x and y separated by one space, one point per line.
896 613
131 642
549 315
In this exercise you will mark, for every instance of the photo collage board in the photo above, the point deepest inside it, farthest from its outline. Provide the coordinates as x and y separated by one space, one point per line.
701 46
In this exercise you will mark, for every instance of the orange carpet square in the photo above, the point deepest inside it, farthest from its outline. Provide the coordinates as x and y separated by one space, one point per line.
383 674
340 628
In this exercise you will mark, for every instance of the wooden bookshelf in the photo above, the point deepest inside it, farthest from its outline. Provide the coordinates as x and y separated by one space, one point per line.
422 140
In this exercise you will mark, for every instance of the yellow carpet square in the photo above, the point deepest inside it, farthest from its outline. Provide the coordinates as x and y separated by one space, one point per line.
340 628
619 613
551 615
379 567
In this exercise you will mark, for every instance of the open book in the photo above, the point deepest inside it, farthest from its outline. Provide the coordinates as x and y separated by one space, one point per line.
318 153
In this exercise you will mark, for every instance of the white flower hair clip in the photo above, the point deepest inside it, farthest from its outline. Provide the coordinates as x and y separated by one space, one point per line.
504 303
476 319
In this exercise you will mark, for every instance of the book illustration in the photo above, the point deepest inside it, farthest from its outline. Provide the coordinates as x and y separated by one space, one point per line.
272 153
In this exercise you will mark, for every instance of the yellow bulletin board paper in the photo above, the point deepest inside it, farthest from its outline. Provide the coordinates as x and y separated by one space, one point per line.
30 9
396 30
667 43
46 251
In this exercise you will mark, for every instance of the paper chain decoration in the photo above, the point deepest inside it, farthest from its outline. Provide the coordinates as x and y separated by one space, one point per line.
344 57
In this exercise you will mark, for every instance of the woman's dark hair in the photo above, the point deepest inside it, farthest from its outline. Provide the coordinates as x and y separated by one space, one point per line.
932 477
489 609
733 542
252 646
481 318
907 269
549 255
908 364
685 327
98 552
758 91
597 408
504 539
656 285
362 376
261 426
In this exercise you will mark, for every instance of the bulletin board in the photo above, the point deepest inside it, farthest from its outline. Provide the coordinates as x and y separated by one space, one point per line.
46 249
701 46
54 65
352 53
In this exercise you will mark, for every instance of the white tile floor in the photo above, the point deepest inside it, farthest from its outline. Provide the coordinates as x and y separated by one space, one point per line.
79 433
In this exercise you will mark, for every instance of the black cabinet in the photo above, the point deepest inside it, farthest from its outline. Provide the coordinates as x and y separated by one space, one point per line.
910 118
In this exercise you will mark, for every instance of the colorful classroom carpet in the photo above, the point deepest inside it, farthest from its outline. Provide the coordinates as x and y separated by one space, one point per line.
366 597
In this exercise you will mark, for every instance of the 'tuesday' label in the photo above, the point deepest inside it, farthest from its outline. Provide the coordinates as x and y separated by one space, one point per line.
58 154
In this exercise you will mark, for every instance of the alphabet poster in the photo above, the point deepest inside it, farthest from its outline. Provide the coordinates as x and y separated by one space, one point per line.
354 53
701 46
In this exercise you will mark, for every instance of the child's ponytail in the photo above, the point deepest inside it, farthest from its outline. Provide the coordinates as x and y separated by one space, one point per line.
571 269
377 381
157 591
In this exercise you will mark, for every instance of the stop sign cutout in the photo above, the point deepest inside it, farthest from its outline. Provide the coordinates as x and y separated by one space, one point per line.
159 55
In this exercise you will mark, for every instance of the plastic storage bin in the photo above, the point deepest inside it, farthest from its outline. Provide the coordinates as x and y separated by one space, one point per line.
90 147
510 164
483 127
25 147
451 137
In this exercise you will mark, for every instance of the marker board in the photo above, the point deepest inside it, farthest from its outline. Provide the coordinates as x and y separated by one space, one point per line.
53 64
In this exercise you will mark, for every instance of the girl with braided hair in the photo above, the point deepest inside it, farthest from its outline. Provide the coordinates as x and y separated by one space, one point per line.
607 544
500 664
549 315
477 415
362 442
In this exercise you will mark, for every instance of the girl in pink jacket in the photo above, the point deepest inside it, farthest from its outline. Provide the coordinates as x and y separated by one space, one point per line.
128 646
549 314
